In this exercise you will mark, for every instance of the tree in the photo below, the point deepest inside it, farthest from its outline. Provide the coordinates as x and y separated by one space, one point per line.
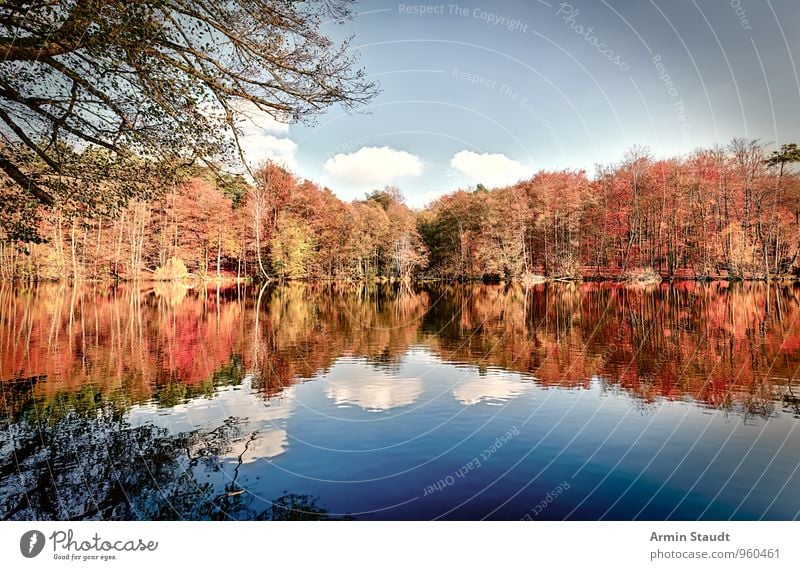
785 251
386 197
369 235
788 154
450 229
162 79
291 247
271 190
408 252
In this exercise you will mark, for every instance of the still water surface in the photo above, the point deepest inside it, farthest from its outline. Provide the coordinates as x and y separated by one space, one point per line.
592 401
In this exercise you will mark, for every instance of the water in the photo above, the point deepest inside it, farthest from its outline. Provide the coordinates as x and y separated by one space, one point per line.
593 401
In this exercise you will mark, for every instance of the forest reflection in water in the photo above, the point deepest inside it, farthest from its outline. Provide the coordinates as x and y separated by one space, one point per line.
147 402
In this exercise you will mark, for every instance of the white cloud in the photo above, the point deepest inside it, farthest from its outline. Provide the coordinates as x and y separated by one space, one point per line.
489 169
257 136
371 167
253 120
258 147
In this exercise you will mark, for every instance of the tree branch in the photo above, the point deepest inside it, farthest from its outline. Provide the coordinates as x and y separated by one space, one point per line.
25 182
65 39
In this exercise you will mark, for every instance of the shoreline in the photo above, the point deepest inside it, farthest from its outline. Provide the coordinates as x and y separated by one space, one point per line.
780 279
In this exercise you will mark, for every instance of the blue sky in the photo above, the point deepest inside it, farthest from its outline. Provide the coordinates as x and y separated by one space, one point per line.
494 91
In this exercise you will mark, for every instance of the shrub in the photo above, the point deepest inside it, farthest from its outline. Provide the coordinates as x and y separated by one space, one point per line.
566 266
173 270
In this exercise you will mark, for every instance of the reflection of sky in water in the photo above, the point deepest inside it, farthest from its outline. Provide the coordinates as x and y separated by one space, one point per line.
355 384
367 437
496 389
266 419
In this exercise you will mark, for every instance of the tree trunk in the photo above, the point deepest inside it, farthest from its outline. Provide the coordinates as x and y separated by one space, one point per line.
258 237
72 248
219 254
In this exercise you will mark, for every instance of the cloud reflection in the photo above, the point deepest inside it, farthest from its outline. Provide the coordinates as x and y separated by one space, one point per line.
372 390
493 388
263 433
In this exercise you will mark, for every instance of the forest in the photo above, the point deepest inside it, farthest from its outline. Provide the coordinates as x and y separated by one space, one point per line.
731 212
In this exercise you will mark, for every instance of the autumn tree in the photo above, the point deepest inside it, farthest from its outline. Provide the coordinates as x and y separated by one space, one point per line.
369 234
272 187
787 237
291 247
162 79
406 248
562 199
449 231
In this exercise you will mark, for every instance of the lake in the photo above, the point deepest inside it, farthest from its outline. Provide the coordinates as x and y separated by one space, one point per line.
432 401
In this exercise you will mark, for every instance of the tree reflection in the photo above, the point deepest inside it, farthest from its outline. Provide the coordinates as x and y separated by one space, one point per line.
735 346
102 468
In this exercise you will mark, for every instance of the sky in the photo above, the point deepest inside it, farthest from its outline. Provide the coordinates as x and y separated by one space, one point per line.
492 92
